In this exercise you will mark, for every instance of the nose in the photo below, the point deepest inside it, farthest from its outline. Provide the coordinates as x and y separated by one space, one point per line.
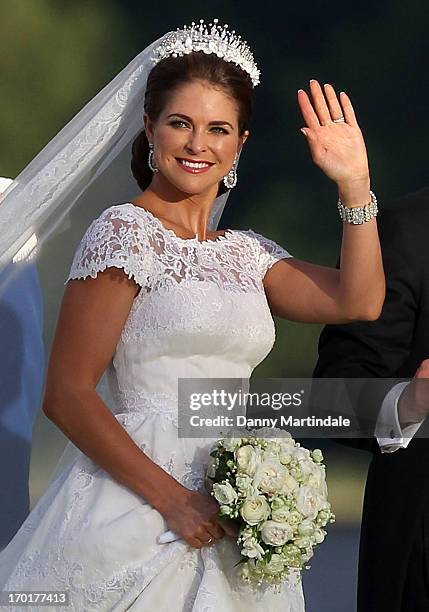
197 142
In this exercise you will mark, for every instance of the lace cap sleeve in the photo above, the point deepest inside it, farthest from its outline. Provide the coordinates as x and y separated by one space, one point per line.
115 239
267 252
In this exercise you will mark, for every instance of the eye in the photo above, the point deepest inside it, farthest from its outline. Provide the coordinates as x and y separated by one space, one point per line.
178 123
219 130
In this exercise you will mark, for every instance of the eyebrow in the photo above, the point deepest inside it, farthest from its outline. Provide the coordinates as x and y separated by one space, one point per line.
186 118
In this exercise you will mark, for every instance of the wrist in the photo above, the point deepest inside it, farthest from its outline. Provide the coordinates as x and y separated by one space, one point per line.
167 498
354 192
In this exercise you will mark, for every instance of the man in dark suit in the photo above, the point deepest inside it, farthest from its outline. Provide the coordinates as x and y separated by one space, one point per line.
394 546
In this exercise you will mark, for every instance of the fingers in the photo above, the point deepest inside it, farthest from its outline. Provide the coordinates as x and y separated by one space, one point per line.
326 106
349 113
307 110
335 110
319 103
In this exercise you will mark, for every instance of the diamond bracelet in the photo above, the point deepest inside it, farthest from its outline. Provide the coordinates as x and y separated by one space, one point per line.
357 215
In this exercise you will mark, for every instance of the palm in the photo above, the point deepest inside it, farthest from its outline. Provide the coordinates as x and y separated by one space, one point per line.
337 148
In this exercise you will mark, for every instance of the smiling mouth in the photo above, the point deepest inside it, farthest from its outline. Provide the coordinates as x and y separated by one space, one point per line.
194 167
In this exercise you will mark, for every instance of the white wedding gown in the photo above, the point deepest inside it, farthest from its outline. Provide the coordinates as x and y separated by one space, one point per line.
201 312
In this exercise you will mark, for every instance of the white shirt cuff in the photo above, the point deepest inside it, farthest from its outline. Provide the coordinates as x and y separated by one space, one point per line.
388 432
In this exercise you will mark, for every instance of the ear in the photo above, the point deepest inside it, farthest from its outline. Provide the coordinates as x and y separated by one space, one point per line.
243 140
148 127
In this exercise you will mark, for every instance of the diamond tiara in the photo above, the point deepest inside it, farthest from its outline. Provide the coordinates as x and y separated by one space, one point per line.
210 39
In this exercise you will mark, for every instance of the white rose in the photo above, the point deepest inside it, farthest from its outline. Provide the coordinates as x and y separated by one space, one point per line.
314 476
303 542
244 484
231 444
308 502
317 455
284 456
251 548
319 536
276 534
306 528
224 493
247 459
294 518
281 515
289 484
270 476
255 510
275 565
276 503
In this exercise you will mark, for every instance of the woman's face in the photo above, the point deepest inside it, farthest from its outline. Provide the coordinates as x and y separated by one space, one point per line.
196 138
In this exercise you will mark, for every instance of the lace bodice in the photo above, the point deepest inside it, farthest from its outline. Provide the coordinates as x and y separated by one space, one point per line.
201 310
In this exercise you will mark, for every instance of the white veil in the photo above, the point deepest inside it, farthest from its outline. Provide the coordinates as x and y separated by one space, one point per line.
84 169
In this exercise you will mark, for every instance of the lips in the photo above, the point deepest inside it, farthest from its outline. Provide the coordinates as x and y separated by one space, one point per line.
194 166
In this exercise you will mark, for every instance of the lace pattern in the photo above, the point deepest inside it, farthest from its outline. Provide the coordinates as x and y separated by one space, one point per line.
132 238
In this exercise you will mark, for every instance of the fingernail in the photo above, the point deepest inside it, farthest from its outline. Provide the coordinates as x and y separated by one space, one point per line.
299 90
312 80
342 92
303 131
326 85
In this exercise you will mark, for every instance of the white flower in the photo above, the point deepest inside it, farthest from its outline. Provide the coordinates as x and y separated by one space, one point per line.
306 528
294 518
270 476
303 542
244 484
276 534
289 484
314 476
224 493
285 456
308 502
247 459
277 503
231 444
317 455
255 510
275 565
301 453
251 548
281 515
319 536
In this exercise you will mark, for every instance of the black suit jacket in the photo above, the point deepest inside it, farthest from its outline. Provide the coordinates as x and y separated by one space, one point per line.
397 489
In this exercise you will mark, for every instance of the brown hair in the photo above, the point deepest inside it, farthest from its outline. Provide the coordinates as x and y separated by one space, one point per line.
172 72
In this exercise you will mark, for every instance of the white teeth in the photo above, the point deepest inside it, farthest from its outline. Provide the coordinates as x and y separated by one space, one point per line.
185 162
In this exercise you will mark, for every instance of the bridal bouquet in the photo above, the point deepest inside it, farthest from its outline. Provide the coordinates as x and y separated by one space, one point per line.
276 491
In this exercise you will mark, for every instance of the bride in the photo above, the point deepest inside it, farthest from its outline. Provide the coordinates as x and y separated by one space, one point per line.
154 294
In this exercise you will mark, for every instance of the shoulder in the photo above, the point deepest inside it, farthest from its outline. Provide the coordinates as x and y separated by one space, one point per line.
116 238
265 250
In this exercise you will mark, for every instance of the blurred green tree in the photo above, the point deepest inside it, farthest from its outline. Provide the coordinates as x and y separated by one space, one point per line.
55 56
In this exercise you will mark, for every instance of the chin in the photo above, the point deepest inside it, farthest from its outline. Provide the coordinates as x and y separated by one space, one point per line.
194 185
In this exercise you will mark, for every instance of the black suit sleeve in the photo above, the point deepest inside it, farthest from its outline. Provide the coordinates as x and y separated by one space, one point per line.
378 348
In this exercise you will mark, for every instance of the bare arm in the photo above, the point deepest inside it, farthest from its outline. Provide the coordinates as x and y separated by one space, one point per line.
91 319
93 314
302 291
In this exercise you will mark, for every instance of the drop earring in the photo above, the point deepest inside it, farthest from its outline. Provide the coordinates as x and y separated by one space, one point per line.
230 180
151 159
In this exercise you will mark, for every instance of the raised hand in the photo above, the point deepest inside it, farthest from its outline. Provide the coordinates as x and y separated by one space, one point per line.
337 147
